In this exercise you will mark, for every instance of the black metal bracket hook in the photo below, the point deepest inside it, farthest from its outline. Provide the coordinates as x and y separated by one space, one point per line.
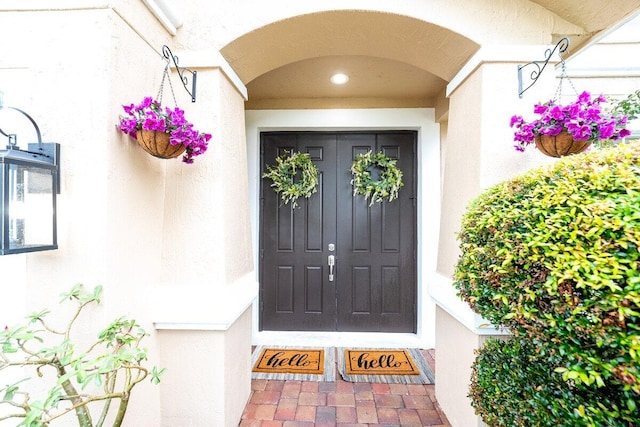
48 152
13 138
169 56
539 66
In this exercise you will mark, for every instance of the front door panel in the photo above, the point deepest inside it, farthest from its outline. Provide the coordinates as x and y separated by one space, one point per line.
374 285
295 291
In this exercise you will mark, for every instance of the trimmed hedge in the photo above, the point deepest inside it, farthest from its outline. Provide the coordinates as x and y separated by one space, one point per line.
553 255
513 385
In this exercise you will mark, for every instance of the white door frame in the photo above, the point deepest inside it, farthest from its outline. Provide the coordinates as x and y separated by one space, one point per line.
428 182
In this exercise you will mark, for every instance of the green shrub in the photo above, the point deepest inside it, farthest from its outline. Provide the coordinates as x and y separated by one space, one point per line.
512 386
629 106
553 255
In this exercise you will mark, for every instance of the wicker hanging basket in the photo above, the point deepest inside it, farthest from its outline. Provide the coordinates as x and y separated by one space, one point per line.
561 145
157 144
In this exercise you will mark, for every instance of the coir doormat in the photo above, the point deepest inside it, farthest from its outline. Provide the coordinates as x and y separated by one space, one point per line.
393 366
282 363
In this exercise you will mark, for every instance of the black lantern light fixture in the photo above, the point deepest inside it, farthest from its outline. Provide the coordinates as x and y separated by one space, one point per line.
29 183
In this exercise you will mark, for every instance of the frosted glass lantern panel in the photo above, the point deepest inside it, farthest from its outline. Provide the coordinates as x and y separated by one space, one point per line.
31 207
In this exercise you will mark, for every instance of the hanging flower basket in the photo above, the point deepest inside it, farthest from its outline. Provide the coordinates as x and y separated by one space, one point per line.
158 144
568 129
162 131
560 145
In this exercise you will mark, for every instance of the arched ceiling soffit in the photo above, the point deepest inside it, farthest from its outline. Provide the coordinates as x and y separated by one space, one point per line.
482 21
374 82
421 45
403 39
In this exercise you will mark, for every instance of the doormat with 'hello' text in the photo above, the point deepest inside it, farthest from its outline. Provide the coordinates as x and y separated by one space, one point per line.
392 366
282 363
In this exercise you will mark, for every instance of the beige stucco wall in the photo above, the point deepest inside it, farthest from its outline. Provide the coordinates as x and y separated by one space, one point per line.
480 152
463 17
477 155
194 398
165 239
455 355
62 76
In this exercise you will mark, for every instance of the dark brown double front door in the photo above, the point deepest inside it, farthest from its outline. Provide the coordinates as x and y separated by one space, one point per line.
373 287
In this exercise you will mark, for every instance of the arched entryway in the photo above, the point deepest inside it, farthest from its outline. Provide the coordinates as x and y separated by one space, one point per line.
394 61
398 67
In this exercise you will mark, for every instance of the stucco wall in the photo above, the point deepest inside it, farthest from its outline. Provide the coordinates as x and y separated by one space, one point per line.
191 392
466 18
477 154
455 355
61 73
132 223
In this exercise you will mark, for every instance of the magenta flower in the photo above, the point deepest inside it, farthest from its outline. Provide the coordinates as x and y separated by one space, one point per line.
149 115
540 108
556 113
583 119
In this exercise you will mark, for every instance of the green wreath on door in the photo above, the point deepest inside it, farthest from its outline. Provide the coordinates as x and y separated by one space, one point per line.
293 176
388 184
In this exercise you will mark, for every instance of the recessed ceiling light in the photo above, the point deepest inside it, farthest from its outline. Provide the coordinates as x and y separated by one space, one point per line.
339 79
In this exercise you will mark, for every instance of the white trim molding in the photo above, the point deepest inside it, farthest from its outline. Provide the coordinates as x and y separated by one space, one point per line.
445 296
497 54
211 59
199 308
165 14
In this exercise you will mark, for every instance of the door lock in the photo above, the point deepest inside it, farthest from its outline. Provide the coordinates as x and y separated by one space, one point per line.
331 260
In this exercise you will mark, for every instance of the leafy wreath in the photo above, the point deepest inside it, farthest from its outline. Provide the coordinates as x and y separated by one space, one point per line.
286 171
386 187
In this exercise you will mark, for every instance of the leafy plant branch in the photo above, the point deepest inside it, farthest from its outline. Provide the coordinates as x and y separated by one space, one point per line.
113 365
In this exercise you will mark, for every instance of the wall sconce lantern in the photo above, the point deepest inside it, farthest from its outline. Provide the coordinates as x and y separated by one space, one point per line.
29 183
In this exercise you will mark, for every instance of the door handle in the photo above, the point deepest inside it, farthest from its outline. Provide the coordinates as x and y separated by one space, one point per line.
331 260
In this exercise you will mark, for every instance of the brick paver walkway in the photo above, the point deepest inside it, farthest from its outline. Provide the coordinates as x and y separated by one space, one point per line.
341 403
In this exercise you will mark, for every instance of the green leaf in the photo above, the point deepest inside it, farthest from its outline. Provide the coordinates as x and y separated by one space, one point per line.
156 374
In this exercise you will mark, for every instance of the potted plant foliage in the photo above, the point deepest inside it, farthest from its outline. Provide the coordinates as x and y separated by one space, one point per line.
64 375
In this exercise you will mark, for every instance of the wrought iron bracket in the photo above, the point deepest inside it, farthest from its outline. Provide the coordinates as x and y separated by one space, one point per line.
13 137
539 66
48 152
169 56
